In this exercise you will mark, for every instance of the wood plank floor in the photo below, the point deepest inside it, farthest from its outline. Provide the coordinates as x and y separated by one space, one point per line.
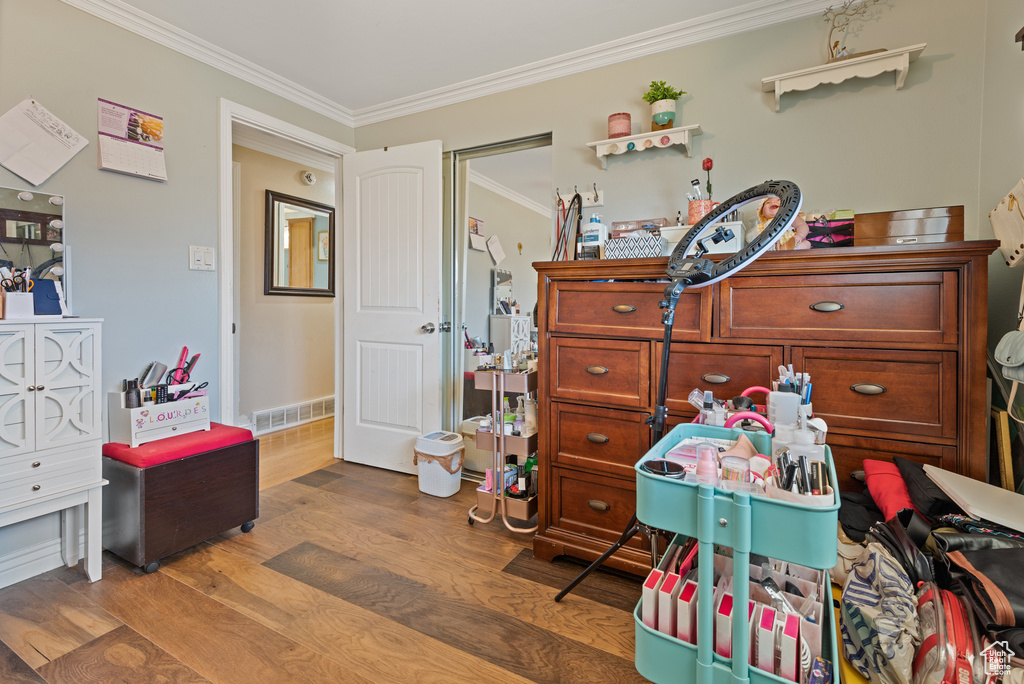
350 575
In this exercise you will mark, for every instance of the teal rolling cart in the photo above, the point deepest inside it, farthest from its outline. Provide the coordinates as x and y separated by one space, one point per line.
797 533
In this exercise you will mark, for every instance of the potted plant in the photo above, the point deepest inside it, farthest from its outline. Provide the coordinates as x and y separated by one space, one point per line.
662 99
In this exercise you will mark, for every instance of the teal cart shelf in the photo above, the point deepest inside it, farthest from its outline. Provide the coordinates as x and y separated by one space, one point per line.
747 523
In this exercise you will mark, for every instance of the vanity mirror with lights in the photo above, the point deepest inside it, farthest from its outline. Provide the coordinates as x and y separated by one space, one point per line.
299 251
32 233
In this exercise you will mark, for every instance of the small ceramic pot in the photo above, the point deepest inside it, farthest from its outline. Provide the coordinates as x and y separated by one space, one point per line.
663 113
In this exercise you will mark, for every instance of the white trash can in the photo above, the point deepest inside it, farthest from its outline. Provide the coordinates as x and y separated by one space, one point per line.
438 457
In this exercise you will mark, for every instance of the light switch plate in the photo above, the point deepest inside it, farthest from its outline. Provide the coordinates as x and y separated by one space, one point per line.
200 258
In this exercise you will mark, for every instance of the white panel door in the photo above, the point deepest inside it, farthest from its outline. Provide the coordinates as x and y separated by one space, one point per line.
392 256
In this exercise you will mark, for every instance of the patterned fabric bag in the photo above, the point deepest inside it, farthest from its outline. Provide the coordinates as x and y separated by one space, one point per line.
878 618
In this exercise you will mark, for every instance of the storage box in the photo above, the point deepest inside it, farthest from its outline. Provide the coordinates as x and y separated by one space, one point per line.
520 509
939 224
477 459
673 235
636 247
151 422
18 305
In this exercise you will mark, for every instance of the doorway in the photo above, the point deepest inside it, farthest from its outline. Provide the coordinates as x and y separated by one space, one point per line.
278 139
503 193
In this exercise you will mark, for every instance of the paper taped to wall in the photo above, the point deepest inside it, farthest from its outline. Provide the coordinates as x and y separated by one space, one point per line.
34 143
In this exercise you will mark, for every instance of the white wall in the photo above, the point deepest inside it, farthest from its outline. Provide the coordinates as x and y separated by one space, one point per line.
129 237
1002 150
287 341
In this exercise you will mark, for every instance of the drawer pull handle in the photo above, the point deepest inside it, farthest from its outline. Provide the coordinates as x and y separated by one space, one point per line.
905 241
867 388
36 464
623 308
597 370
826 306
36 488
715 378
599 505
597 438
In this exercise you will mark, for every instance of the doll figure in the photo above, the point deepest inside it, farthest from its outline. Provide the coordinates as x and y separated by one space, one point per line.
795 237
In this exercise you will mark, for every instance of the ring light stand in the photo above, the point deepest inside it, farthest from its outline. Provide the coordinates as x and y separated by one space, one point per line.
695 271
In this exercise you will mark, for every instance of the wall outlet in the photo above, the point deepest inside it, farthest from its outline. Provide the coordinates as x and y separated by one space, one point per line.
590 199
200 258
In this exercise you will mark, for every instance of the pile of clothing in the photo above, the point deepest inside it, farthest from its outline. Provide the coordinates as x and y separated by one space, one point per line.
930 595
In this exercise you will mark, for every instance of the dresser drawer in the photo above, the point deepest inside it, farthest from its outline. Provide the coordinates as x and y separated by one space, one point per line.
849 453
595 506
69 475
626 309
39 463
855 307
598 439
883 393
612 372
725 369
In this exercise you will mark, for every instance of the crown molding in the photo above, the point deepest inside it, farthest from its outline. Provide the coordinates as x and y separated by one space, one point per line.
508 193
276 146
146 25
754 15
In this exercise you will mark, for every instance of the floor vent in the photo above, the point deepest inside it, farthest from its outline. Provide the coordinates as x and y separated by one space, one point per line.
289 416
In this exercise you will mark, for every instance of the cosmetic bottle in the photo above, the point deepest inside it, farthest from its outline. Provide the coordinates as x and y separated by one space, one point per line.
707 411
707 465
133 397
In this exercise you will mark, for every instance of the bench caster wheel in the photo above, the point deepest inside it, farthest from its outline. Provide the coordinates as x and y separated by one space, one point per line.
247 526
150 568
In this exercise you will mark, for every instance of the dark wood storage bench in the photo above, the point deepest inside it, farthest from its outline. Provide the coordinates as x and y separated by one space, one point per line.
166 496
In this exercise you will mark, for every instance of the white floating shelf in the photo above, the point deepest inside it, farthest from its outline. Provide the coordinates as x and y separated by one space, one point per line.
867 66
645 141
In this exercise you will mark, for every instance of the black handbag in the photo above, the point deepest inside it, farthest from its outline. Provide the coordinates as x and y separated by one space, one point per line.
903 536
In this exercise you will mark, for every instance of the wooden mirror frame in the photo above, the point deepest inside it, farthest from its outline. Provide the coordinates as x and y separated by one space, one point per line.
270 264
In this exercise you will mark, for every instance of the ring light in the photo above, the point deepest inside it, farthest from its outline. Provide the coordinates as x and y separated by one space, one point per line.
696 271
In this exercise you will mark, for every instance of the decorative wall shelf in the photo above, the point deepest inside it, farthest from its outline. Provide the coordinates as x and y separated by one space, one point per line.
867 66
645 141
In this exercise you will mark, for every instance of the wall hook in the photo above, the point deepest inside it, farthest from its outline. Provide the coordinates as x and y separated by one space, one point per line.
595 191
575 190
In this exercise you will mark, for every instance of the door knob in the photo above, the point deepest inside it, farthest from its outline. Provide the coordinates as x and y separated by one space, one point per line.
428 328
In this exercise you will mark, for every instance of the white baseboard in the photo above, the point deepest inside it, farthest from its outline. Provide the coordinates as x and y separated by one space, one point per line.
31 561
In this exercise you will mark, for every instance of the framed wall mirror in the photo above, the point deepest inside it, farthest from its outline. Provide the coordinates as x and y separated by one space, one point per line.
299 251
32 233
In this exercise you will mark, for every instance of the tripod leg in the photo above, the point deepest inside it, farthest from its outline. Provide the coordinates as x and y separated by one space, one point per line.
632 527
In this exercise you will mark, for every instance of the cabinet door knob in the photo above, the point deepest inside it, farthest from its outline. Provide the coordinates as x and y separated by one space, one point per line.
598 505
597 438
39 388
36 488
715 378
623 308
31 388
826 306
36 464
597 370
867 388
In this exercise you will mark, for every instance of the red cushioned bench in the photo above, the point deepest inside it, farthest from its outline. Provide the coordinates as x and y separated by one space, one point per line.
168 495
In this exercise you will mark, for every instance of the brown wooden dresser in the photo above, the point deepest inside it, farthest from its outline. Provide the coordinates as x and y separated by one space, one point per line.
894 338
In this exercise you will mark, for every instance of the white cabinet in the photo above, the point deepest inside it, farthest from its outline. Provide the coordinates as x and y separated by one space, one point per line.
51 428
510 332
